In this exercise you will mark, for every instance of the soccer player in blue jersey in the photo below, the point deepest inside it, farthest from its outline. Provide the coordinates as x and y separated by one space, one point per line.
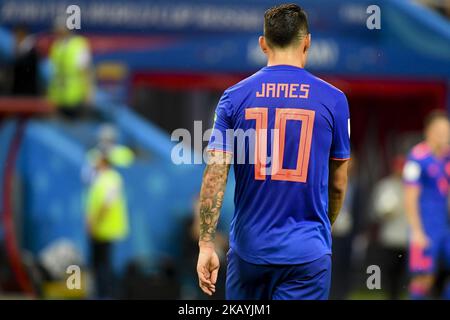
291 173
426 174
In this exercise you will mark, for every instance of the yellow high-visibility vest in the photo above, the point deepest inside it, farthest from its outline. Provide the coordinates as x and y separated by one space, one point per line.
107 191
69 84
118 155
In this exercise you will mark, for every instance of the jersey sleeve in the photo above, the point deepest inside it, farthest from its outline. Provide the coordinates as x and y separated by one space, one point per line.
340 147
412 171
221 139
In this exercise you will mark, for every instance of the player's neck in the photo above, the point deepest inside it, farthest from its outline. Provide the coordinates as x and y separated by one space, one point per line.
286 57
436 149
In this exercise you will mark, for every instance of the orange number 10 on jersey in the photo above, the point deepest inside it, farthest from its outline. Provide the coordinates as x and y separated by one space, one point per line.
260 115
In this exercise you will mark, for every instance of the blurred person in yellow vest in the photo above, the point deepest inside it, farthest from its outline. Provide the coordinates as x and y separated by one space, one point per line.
119 155
107 221
71 82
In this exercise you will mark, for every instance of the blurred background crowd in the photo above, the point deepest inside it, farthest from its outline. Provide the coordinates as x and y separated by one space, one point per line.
86 117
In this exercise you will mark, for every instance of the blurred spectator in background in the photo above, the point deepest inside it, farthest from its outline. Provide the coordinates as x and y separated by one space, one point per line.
71 82
107 220
343 234
25 66
119 155
190 288
389 211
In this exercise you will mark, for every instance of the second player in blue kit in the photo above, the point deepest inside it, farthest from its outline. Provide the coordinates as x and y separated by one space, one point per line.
426 176
290 163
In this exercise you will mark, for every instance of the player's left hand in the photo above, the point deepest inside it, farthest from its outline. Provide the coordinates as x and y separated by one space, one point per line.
207 269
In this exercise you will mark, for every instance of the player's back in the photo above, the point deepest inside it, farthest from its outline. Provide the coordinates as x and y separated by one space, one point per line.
281 196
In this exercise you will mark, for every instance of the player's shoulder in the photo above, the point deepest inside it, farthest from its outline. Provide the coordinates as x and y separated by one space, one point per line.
325 86
419 152
327 94
416 162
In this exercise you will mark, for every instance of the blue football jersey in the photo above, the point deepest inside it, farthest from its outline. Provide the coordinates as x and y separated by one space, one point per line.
298 123
431 174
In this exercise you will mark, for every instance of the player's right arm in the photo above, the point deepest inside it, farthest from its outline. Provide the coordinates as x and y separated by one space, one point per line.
411 176
337 186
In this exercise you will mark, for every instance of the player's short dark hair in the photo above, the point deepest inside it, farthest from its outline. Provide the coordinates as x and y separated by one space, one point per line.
284 25
434 116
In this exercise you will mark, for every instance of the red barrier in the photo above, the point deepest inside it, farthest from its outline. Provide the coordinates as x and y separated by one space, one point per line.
24 106
21 107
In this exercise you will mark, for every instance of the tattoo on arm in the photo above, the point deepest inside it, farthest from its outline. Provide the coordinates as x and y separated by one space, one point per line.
212 193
